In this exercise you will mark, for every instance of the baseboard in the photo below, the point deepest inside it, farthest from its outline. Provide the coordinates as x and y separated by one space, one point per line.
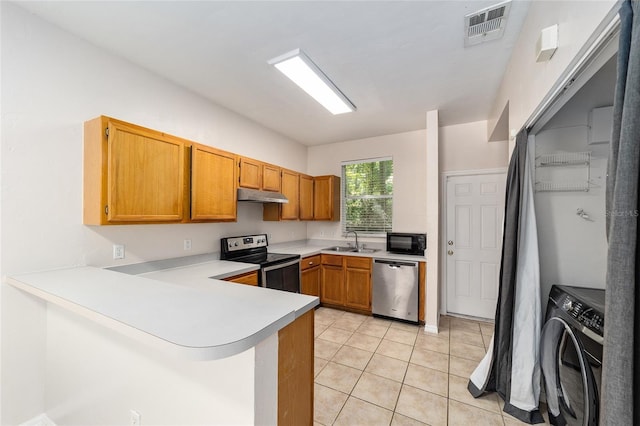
433 329
41 420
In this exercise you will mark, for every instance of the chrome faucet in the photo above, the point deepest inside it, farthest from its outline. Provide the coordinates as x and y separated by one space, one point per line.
354 233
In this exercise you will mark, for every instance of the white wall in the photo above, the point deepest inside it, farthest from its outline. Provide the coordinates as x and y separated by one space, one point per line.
51 83
460 147
466 147
573 251
526 82
117 374
409 176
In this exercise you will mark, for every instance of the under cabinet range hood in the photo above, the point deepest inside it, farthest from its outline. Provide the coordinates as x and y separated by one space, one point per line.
261 196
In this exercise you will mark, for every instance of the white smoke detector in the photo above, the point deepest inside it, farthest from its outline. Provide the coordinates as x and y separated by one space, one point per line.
486 24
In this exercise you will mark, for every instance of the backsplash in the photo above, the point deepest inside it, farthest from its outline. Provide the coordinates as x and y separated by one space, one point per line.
152 242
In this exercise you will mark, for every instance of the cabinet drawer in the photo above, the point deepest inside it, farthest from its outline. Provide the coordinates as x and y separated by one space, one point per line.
358 262
250 278
331 259
310 262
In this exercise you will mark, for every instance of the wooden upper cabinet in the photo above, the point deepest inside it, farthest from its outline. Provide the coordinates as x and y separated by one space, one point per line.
326 198
137 175
250 173
213 189
255 174
131 174
291 190
271 177
305 212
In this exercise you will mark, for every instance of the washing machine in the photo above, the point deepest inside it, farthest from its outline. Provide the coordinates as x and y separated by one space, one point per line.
571 354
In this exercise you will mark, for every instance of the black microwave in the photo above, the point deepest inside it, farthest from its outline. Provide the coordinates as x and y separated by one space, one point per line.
406 243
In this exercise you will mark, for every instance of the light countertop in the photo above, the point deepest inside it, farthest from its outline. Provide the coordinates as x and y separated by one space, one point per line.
310 248
181 305
179 310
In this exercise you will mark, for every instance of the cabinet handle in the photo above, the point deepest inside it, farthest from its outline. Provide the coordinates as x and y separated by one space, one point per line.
310 263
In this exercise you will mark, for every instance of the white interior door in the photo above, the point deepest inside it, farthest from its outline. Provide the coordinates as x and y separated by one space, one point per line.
474 213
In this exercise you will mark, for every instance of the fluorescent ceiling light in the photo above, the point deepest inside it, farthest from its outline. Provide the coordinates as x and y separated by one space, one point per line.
303 72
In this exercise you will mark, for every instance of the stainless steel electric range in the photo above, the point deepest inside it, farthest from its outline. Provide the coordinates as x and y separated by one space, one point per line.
277 270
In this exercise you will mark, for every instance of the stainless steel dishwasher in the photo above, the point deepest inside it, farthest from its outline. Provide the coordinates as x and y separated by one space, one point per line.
395 289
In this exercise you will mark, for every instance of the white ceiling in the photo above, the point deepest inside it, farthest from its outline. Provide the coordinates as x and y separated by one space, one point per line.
394 60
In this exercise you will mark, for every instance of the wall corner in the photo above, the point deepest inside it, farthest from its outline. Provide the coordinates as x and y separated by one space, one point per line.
432 286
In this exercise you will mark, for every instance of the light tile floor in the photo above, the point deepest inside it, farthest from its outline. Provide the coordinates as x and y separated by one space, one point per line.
370 371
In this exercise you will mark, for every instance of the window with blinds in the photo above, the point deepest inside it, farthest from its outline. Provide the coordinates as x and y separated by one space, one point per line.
367 196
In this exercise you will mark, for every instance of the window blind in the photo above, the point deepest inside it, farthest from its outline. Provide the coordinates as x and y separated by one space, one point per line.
367 201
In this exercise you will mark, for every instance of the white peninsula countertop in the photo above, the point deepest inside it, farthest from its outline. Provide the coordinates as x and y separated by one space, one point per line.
179 310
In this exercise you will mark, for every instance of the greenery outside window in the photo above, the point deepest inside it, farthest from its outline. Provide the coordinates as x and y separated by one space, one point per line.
367 196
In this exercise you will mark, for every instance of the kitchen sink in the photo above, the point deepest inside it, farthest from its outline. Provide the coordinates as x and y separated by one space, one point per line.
351 249
341 248
366 250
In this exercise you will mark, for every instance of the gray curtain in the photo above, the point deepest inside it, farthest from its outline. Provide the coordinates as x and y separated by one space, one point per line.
510 367
620 401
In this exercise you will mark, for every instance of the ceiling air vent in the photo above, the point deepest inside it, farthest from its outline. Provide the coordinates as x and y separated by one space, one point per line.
486 24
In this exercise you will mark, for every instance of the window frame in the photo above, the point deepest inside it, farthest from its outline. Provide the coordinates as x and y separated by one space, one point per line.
343 199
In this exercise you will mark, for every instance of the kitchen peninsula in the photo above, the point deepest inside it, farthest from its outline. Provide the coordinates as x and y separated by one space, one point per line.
176 346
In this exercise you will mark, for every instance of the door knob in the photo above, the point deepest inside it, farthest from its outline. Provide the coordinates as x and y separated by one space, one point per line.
450 252
450 242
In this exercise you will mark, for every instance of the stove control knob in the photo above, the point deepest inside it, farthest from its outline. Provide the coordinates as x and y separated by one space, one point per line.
567 305
235 244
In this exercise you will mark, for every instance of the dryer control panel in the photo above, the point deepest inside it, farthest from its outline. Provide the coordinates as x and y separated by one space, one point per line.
586 315
585 306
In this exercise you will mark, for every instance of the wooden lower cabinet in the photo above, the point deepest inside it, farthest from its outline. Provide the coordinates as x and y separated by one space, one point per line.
422 273
332 285
250 278
310 276
358 286
346 282
295 372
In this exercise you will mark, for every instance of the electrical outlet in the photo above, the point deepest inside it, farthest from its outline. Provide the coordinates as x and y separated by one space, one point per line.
134 418
118 251
187 244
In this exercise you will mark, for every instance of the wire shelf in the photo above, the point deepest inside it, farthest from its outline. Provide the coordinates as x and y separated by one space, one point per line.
564 159
562 186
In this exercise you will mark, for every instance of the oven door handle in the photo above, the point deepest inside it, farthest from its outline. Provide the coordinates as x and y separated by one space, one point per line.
281 265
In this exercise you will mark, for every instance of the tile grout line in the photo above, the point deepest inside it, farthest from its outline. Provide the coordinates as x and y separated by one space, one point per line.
402 382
